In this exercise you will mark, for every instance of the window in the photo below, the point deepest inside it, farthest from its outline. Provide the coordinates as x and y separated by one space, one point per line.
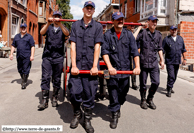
125 9
136 6
153 7
41 9
14 26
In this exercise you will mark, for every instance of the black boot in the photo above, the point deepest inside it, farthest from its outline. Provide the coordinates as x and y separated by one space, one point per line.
150 97
87 123
45 99
77 116
151 103
133 80
169 91
114 121
143 103
55 97
24 80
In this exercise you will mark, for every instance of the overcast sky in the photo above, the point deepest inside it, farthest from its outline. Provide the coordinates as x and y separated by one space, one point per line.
77 5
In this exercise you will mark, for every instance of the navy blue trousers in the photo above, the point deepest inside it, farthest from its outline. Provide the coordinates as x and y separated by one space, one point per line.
155 79
83 89
49 69
23 65
172 70
117 89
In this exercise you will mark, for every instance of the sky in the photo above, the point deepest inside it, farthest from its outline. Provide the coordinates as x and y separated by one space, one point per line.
77 5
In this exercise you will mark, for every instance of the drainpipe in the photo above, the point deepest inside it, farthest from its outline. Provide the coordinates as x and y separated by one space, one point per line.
8 24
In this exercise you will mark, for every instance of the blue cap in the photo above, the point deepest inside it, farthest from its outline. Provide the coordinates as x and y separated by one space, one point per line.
23 25
89 3
57 13
117 15
154 17
173 27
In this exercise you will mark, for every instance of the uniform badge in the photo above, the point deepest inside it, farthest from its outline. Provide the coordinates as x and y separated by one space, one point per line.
90 2
118 13
113 47
154 16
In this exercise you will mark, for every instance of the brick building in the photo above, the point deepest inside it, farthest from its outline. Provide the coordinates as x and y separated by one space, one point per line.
32 19
17 10
4 18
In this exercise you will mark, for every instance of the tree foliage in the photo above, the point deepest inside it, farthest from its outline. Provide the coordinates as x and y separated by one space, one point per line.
65 10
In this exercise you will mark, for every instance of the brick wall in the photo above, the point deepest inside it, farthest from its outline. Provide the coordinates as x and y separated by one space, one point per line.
4 19
131 15
186 30
32 19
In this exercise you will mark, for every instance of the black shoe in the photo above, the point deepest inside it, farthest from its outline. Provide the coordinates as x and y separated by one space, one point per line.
168 94
87 123
77 116
143 104
55 97
24 80
169 91
172 91
114 120
151 103
45 99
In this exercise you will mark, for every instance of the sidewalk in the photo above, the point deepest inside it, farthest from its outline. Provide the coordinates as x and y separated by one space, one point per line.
6 63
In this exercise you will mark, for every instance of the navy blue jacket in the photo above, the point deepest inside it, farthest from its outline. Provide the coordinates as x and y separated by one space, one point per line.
85 39
54 45
149 46
23 45
119 51
173 50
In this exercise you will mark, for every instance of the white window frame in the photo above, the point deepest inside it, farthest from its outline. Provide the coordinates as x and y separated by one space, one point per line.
156 10
40 9
125 9
137 6
16 25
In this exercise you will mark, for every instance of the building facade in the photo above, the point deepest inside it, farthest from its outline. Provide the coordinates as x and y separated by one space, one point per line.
4 18
106 14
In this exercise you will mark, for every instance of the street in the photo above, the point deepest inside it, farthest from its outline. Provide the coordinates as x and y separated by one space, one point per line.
19 107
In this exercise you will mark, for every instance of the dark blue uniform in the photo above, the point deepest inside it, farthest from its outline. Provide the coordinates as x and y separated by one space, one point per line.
85 39
53 58
173 50
149 44
119 52
23 46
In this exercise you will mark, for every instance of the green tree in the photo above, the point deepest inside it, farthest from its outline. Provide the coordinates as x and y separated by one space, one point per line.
65 10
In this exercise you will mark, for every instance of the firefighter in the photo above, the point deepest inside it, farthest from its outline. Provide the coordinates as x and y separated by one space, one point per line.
149 43
119 45
24 43
52 58
86 38
173 46
135 33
